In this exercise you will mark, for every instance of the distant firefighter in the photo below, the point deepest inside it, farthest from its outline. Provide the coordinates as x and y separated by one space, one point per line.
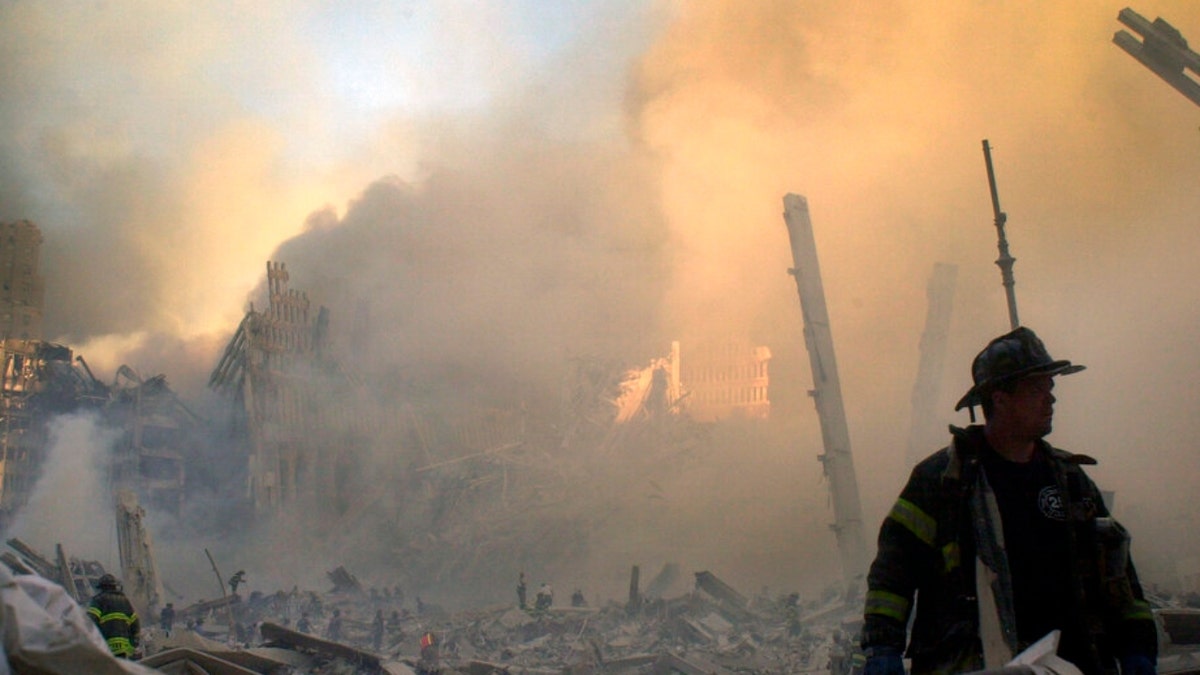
521 591
430 661
237 580
333 630
166 618
377 626
545 597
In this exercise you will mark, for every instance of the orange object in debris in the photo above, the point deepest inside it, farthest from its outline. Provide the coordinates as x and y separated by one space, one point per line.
427 640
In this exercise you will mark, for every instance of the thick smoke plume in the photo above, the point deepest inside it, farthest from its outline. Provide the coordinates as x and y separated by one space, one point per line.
606 188
62 509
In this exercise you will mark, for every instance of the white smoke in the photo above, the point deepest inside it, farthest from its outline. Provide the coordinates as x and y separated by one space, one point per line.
71 504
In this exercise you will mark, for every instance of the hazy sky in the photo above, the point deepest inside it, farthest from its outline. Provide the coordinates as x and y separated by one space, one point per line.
515 181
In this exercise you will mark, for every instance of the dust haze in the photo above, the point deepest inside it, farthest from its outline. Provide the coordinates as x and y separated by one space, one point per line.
490 205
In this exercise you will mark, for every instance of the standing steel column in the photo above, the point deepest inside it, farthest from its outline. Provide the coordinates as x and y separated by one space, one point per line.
923 434
1005 261
827 394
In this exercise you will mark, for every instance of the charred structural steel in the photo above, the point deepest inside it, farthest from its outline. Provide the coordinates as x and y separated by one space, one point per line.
827 394
926 389
1163 50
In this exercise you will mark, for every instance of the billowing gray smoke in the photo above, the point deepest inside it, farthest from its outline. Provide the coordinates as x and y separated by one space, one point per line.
615 183
496 269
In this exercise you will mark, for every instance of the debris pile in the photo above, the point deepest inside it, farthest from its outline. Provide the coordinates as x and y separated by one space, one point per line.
712 629
346 629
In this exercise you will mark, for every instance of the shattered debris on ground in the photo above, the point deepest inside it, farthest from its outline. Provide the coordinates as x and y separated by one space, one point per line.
712 629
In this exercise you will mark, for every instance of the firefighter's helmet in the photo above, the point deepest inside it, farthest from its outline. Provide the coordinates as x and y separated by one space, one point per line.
1009 357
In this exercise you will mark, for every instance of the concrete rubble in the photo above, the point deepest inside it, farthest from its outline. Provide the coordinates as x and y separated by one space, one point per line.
711 629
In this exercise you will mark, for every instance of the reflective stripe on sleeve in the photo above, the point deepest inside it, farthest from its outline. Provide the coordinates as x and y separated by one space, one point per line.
921 524
887 604
1138 609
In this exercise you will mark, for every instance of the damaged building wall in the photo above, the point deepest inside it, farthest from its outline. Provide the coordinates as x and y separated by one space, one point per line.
728 378
22 289
42 380
39 381
292 403
158 435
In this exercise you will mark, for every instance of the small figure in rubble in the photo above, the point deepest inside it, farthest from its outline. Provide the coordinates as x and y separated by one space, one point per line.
577 599
791 610
545 597
236 580
521 591
430 661
304 625
333 630
393 626
166 619
377 626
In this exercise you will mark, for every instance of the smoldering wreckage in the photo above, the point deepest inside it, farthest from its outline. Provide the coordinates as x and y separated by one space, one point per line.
273 372
276 374
297 421
714 629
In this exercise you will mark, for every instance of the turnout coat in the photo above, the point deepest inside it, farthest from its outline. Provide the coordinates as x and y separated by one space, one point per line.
946 524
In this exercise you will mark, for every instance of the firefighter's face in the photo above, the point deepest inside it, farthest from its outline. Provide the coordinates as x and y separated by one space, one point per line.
1028 410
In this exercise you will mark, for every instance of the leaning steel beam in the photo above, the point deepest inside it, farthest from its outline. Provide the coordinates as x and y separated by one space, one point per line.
136 549
40 563
1163 50
64 575
827 394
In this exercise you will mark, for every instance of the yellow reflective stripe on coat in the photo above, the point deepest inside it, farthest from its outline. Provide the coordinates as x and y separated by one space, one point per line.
952 555
114 616
120 646
921 524
887 604
1138 609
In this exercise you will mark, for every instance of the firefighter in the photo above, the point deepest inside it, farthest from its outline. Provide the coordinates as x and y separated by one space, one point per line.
236 580
166 619
113 614
1003 539
430 660
377 629
544 598
333 629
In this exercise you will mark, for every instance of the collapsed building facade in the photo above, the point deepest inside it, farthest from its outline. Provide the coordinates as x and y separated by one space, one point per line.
287 415
345 442
341 448
42 380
